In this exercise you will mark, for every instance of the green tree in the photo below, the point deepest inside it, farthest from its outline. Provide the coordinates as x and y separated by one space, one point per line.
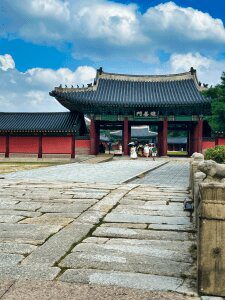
217 94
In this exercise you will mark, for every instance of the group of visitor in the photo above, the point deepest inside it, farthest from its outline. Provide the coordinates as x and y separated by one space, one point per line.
147 150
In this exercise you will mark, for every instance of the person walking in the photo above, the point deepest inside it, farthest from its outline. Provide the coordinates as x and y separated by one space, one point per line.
154 153
146 150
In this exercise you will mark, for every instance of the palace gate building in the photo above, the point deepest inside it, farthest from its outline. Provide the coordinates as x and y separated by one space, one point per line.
112 102
118 101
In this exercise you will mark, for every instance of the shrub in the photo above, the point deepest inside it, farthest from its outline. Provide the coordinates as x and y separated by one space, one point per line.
217 154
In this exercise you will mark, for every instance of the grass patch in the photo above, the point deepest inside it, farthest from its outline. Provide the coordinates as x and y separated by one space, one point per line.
177 153
9 167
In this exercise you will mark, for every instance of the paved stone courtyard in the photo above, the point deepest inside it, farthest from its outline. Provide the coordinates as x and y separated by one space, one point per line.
124 235
112 172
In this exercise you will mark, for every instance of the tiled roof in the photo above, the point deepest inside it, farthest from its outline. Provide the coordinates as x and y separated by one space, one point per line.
49 122
134 91
136 132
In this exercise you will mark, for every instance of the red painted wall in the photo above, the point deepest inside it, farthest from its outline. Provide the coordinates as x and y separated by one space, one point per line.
208 144
83 143
21 144
83 147
2 144
56 145
221 141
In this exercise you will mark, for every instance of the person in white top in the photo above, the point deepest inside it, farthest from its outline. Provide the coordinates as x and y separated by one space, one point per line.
133 153
146 150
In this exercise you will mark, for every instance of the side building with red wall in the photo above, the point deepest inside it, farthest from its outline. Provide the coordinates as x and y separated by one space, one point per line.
41 135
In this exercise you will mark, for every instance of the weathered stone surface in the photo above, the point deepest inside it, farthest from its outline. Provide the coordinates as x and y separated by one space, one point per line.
213 171
145 210
7 259
140 234
160 244
125 225
109 261
26 233
10 218
58 245
129 280
96 240
16 248
109 201
28 272
47 219
135 218
19 213
90 216
134 252
46 290
67 208
31 206
5 286
175 227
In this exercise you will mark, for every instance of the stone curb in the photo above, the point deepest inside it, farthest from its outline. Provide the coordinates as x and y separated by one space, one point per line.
143 173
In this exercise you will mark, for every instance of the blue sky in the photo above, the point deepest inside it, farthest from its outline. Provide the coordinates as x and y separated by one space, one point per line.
47 42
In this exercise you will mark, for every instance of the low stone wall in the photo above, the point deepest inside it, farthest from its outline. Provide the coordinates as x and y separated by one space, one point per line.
207 183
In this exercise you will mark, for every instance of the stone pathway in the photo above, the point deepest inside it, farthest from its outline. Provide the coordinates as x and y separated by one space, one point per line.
130 236
176 173
112 172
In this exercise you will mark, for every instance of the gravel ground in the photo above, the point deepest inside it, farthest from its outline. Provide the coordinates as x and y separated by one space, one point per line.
47 290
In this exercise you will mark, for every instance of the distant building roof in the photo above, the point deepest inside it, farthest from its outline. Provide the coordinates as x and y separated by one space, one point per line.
39 122
177 140
133 91
137 132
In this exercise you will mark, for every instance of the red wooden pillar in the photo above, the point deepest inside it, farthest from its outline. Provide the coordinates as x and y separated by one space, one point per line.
40 147
129 135
164 137
190 142
125 136
7 147
200 133
195 138
97 138
73 146
159 139
93 137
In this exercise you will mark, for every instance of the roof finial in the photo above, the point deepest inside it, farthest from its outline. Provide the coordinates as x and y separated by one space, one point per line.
100 71
193 71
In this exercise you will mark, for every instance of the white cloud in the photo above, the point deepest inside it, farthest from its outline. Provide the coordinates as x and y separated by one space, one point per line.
6 62
29 91
185 25
208 70
100 28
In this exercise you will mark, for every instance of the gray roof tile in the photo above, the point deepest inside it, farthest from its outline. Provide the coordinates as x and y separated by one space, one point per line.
61 121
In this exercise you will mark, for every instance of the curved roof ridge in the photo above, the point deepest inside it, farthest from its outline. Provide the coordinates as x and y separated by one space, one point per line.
145 75
147 78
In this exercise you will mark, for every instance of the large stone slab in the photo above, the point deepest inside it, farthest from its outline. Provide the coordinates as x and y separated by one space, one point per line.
33 272
16 248
174 245
134 251
67 208
10 218
136 218
26 233
48 219
143 210
129 280
58 245
140 234
8 259
23 213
